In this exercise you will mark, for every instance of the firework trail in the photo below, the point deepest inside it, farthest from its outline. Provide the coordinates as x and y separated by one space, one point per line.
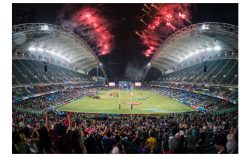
90 17
89 23
165 19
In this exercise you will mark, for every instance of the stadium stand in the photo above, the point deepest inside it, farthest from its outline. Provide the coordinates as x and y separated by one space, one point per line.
32 72
222 72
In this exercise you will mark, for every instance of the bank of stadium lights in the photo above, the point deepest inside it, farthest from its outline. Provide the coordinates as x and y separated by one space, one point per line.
216 48
44 27
32 49
204 27
39 49
209 49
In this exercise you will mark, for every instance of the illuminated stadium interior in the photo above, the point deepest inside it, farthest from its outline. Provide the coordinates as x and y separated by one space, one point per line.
86 82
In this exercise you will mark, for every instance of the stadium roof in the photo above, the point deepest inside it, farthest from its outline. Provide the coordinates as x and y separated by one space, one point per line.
57 44
192 41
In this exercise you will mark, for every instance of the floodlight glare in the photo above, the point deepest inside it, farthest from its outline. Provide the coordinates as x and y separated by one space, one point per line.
202 50
190 55
217 48
209 49
40 49
204 27
52 52
44 27
32 49
59 55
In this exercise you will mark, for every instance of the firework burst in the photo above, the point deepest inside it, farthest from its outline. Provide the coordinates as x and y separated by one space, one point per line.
91 18
165 19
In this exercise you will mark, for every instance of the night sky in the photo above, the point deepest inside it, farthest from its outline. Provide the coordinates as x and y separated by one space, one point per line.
127 53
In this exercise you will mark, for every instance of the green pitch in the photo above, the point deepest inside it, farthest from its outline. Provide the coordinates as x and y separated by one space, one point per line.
144 102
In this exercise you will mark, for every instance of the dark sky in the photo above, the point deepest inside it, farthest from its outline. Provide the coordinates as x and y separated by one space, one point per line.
128 48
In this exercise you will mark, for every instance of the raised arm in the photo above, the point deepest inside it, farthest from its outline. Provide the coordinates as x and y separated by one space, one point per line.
69 116
47 120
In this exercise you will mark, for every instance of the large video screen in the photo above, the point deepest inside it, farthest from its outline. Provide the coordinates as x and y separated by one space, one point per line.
124 84
111 84
138 84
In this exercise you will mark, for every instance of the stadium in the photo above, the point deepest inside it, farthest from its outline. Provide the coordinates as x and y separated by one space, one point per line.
77 90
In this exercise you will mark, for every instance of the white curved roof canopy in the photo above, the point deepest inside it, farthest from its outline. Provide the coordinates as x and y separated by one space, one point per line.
194 41
56 43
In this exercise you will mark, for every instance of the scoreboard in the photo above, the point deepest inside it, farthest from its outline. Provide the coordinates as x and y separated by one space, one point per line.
138 84
124 84
111 84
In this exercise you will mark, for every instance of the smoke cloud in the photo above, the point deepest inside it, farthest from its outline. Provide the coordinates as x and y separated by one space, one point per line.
134 71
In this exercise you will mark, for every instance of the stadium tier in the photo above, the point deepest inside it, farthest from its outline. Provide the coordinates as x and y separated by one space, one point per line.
220 79
33 72
218 72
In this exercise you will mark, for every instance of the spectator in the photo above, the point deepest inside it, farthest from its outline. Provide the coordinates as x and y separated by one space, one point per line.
220 144
118 149
232 142
90 144
152 142
173 145
107 142
144 148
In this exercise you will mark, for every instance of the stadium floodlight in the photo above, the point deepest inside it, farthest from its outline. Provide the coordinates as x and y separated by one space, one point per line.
204 27
185 57
59 55
32 49
217 48
40 49
209 49
190 55
197 52
46 50
202 50
52 52
44 27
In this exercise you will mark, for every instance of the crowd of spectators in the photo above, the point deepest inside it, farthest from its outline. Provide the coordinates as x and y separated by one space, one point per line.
194 132
202 102
33 90
228 93
50 100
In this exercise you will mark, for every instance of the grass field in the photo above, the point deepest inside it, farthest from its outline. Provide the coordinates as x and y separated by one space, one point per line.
144 102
